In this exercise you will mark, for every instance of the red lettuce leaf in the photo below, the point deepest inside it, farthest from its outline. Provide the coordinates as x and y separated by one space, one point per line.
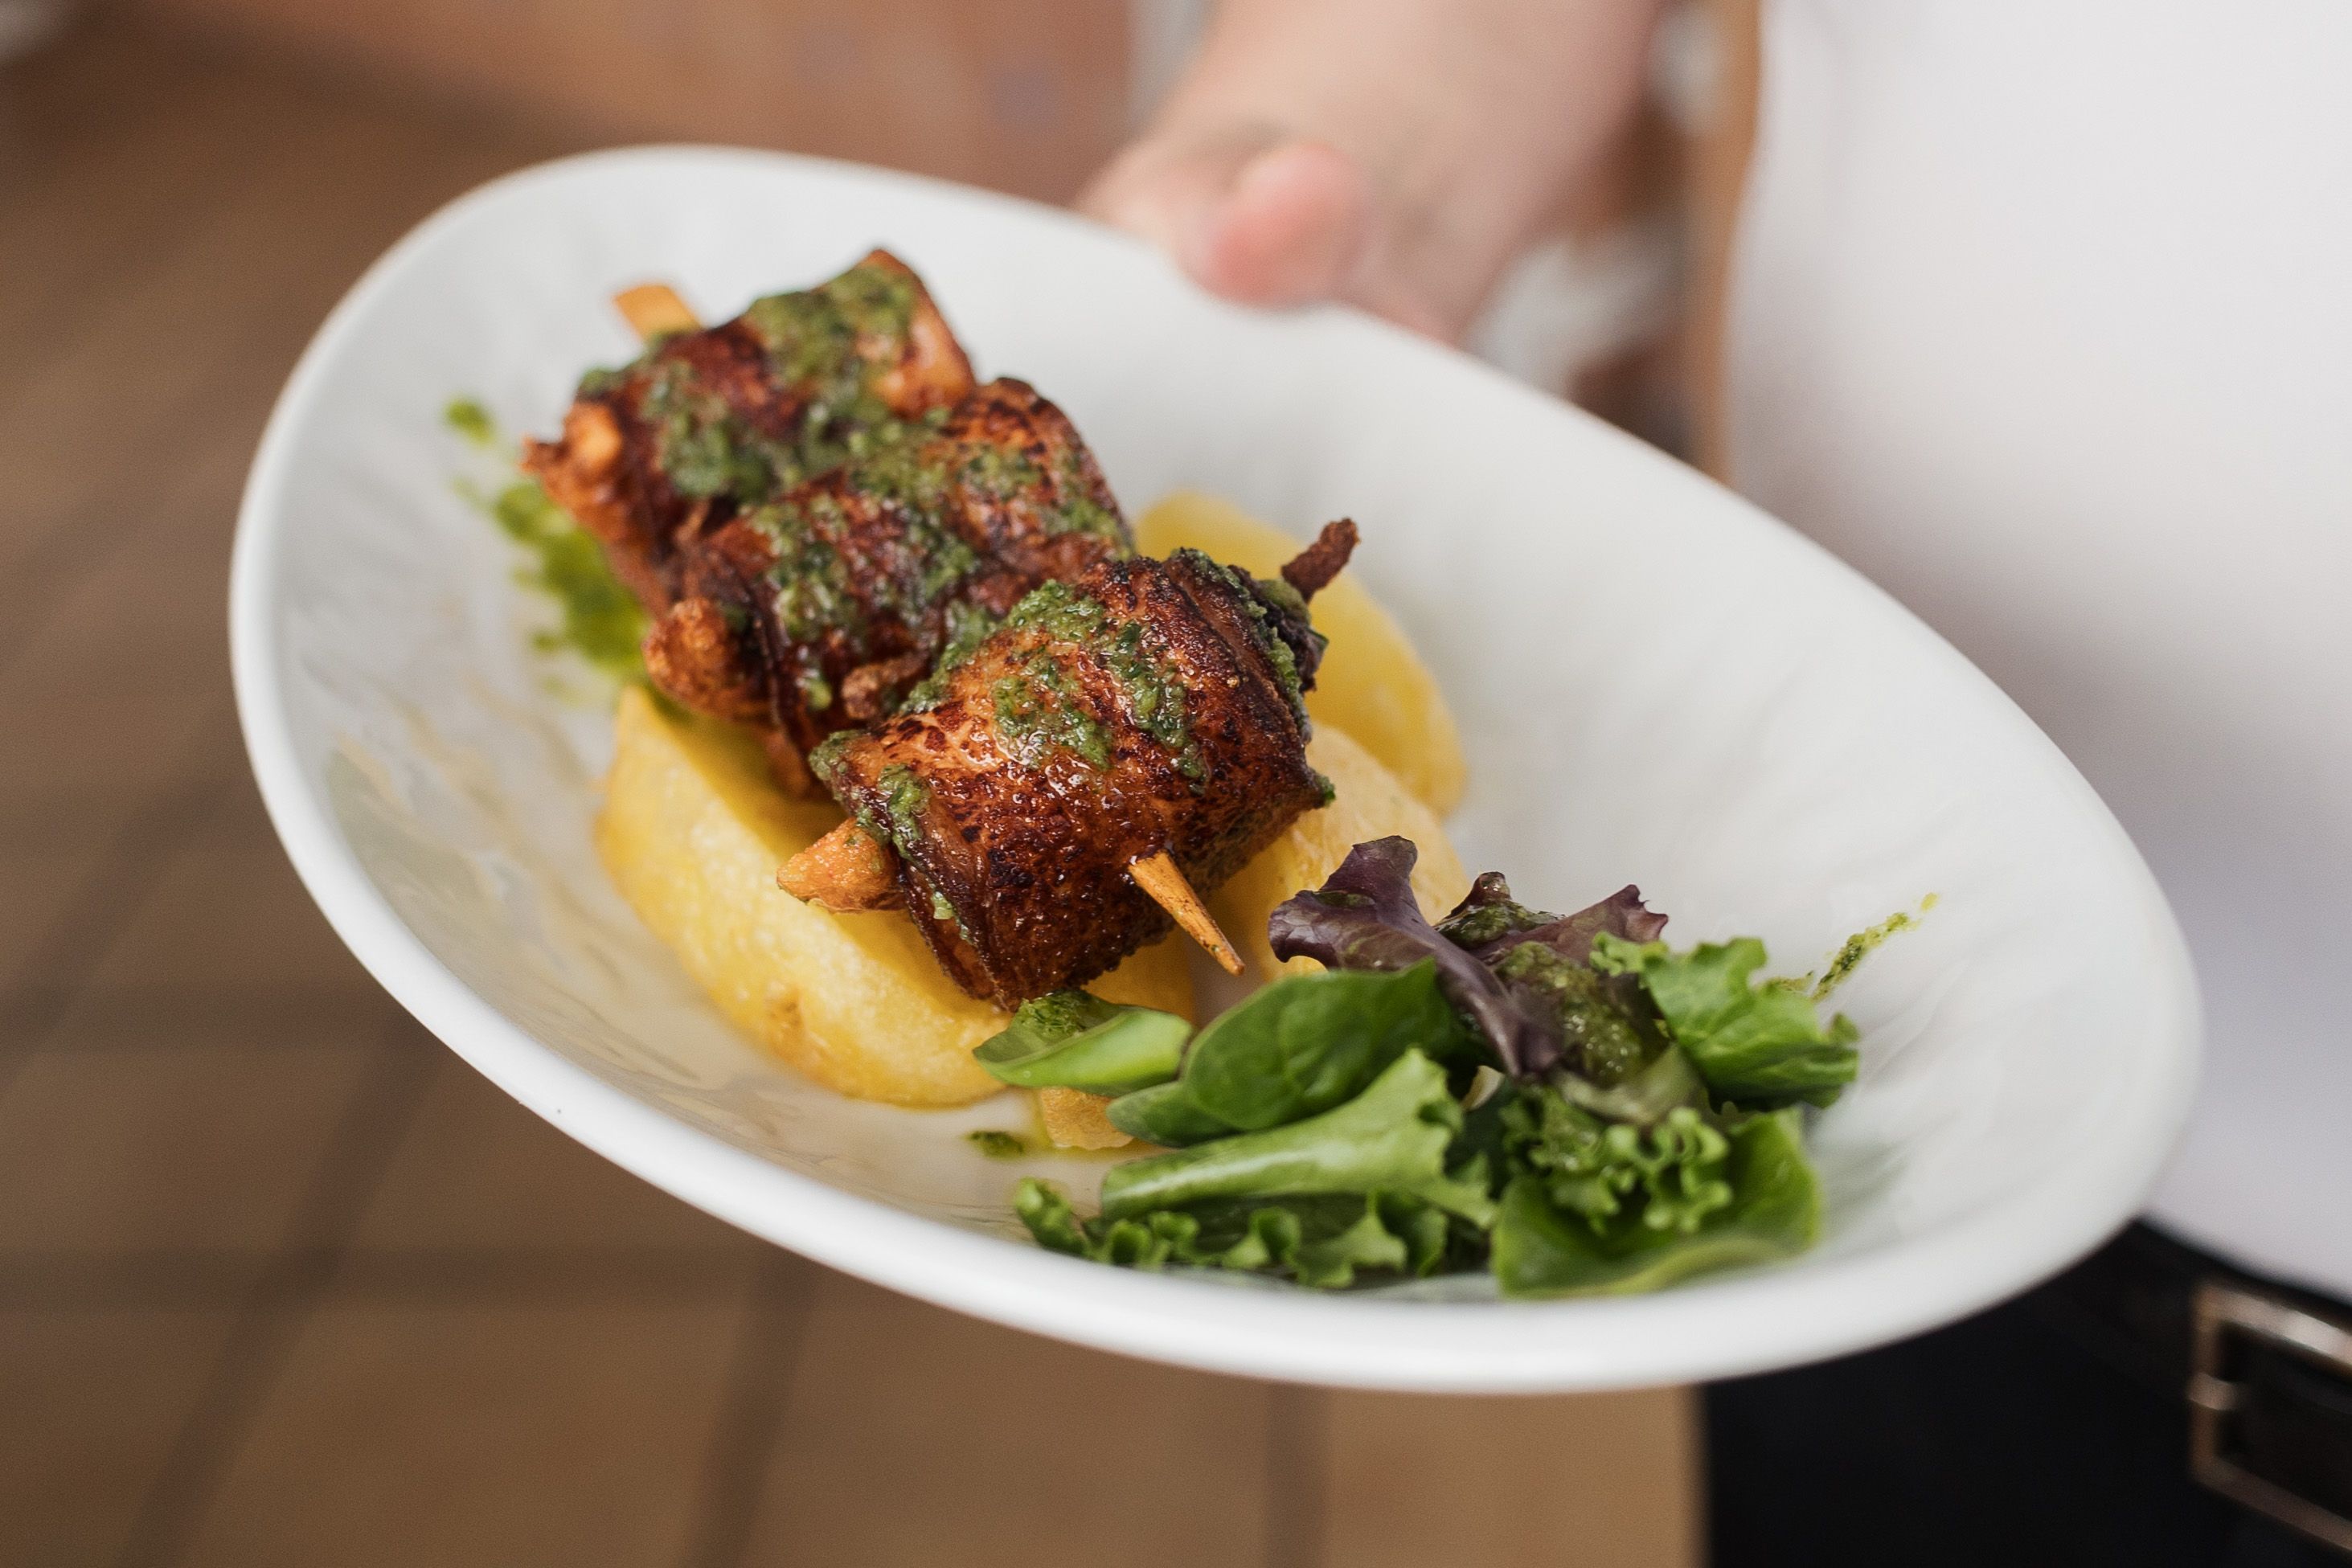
1365 917
1490 922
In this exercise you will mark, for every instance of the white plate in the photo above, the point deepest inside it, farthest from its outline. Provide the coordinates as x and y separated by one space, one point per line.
1656 682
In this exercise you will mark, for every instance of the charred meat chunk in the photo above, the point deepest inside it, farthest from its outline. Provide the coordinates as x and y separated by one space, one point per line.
1141 707
706 424
821 608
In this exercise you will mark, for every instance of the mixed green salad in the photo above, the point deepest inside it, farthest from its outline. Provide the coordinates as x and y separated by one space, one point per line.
1563 1100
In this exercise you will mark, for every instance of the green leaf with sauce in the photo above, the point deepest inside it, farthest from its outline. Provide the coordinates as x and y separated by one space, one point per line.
1074 1040
1757 1045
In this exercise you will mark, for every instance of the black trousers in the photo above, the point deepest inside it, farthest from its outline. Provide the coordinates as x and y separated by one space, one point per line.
2033 1434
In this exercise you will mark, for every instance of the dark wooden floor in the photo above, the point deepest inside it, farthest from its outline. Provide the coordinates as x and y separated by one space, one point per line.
282 1281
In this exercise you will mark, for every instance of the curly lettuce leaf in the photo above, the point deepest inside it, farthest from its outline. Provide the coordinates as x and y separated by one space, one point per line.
1074 1040
1543 1249
1668 1175
1758 1045
1364 918
1390 1138
1321 1241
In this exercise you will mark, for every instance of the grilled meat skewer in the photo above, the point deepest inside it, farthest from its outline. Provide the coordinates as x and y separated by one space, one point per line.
817 612
710 422
1144 708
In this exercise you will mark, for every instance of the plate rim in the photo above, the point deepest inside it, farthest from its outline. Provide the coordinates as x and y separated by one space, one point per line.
1590 1344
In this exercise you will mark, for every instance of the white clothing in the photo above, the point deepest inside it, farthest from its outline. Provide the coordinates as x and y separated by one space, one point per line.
2041 317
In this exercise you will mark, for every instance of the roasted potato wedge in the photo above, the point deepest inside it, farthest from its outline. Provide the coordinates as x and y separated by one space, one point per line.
1074 1119
1372 685
692 832
1370 804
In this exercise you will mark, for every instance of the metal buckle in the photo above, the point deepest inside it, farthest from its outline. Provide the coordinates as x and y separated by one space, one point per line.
2218 1312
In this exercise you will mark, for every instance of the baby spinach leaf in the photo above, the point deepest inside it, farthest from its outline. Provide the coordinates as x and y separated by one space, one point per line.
1309 1042
1163 1114
1759 1045
1076 1040
1541 1248
1390 1138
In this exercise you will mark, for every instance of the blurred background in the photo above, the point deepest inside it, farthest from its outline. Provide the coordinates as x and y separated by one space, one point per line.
282 1281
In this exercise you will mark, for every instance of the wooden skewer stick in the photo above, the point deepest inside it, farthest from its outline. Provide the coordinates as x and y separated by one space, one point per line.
655 311
1157 875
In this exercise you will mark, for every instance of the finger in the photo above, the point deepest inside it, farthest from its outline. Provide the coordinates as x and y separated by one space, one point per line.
1252 216
1290 229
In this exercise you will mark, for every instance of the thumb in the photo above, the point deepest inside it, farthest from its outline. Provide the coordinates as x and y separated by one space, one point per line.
1254 215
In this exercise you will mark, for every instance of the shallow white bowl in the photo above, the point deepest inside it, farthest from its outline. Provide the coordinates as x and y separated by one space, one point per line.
1656 683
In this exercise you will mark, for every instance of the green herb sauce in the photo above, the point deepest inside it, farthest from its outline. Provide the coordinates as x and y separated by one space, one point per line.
997 1146
1606 1040
1154 699
1860 945
812 593
903 796
828 755
831 339
1040 709
969 626
813 589
601 621
1080 513
828 344
472 420
1491 921
703 448
1005 473
1000 473
913 480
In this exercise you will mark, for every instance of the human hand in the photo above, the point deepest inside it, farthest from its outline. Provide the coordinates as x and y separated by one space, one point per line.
1397 155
